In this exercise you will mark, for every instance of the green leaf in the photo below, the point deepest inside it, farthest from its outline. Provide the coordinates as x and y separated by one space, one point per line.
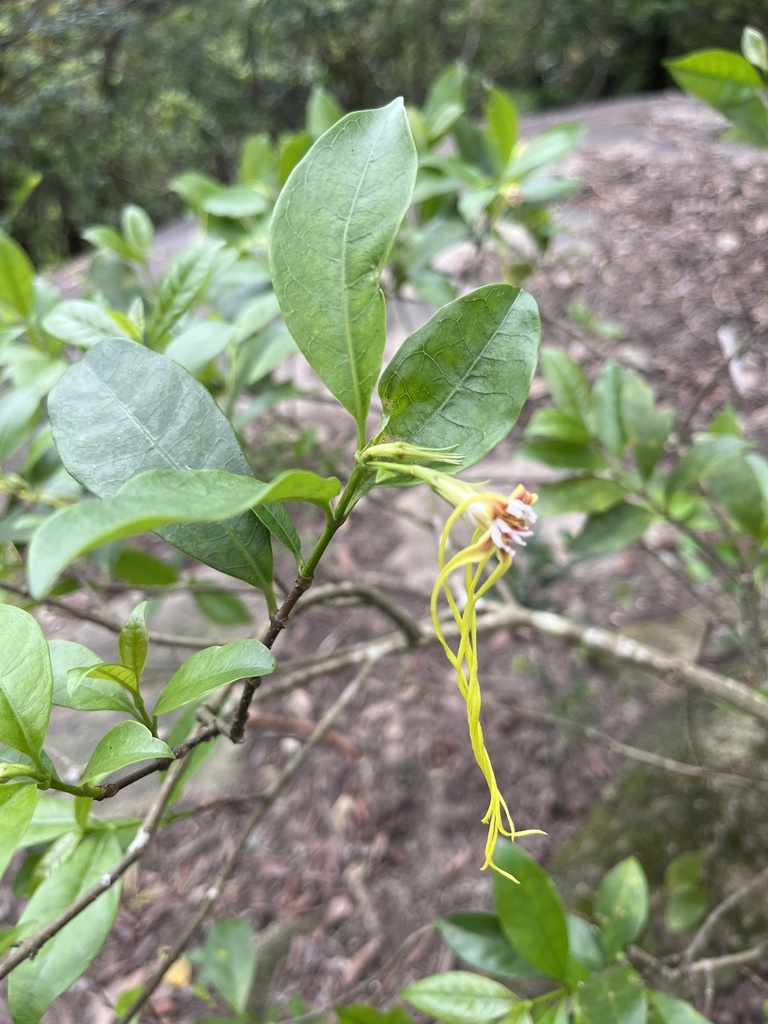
258 162
180 287
579 494
458 997
322 111
610 531
144 570
86 694
477 939
53 817
331 232
214 667
237 202
198 345
444 104
123 398
501 120
18 411
26 682
615 997
707 454
675 1011
645 427
113 675
727 82
134 640
155 499
112 241
531 912
462 379
732 485
583 944
138 231
223 608
558 426
229 961
755 48
125 744
621 906
17 805
606 399
82 324
544 149
568 386
557 1014
34 984
17 277
563 455
687 898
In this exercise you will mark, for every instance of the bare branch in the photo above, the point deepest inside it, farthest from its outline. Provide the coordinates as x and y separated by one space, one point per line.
715 915
264 802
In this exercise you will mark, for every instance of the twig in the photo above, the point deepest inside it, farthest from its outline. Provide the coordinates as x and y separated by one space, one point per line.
667 764
264 802
304 727
715 915
332 592
29 947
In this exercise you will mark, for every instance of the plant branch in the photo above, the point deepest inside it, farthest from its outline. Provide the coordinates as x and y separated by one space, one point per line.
333 592
29 947
719 911
264 802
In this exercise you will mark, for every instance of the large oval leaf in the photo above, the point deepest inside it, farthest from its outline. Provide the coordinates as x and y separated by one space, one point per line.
332 229
126 744
154 499
615 997
124 409
461 380
458 997
531 913
215 666
34 984
26 682
17 805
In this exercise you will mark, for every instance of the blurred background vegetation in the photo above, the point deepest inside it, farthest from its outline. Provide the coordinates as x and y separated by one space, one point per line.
102 102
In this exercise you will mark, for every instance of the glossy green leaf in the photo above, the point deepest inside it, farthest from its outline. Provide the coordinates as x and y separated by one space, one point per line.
704 457
34 984
229 960
237 202
568 386
458 997
17 805
687 901
123 398
222 607
755 48
134 640
615 997
531 155
579 494
112 241
180 287
461 379
477 939
606 400
557 1014
646 427
214 667
258 162
26 682
733 486
155 499
85 694
531 913
332 229
125 744
675 1011
53 816
606 532
501 123
621 906
583 943
17 277
727 82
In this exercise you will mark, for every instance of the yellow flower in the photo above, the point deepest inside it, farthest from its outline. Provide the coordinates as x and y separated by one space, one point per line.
500 523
